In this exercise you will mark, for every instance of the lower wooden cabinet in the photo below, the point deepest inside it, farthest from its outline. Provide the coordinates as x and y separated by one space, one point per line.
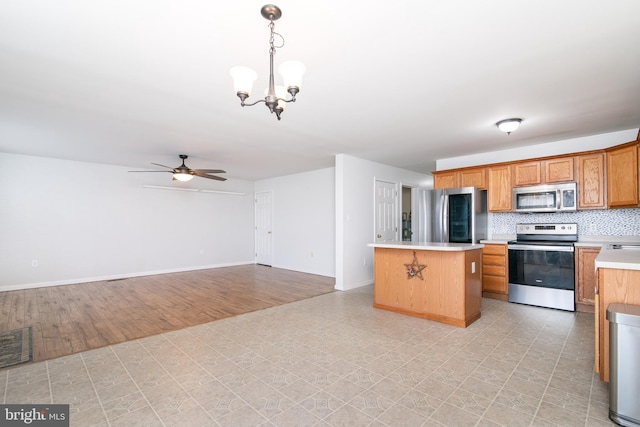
585 261
495 277
614 285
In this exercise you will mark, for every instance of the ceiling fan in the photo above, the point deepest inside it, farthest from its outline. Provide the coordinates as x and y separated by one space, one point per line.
183 173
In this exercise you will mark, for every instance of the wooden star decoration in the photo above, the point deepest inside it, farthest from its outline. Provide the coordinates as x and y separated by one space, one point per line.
415 268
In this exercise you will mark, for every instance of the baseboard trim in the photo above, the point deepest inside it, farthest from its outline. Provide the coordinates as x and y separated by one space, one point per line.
116 276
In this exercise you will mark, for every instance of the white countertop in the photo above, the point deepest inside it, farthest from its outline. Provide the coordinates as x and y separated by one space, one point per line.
620 259
427 246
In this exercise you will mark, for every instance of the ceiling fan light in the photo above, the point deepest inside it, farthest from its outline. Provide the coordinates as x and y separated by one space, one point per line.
243 78
183 177
292 72
509 125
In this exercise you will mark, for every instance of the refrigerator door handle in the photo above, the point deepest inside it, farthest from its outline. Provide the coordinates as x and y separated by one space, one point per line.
444 218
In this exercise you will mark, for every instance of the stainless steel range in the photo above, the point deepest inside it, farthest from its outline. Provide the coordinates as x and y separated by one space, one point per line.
541 265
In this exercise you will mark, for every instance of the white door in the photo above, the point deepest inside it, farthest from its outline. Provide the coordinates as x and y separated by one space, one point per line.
386 210
264 235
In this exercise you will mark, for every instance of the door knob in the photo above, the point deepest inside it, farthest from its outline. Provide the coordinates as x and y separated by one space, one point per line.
379 236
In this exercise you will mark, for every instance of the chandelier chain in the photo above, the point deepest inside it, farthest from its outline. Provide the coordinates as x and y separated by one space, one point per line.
272 45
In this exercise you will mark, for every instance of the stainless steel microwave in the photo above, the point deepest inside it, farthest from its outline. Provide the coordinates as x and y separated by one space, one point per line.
545 198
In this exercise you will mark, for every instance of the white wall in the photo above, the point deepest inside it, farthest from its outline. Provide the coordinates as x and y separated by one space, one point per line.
593 142
303 221
355 183
86 221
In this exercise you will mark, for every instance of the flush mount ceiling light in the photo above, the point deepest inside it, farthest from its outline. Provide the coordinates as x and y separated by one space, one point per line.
292 71
508 125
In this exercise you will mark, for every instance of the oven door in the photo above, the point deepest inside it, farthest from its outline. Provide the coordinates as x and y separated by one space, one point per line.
542 276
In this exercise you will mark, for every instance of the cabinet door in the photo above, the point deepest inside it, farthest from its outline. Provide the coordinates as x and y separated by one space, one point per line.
527 174
591 181
622 177
499 189
558 170
445 180
586 277
476 177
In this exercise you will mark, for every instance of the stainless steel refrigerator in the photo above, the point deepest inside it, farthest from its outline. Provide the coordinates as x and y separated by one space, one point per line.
455 215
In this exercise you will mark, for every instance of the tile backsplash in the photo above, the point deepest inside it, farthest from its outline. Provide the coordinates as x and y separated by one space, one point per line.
609 222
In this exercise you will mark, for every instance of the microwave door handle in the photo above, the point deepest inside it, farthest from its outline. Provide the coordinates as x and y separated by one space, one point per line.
558 199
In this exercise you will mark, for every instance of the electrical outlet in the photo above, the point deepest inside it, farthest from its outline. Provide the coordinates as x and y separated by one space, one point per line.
364 262
473 267
34 263
311 254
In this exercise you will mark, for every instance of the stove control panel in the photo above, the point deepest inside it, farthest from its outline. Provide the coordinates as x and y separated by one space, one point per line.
570 229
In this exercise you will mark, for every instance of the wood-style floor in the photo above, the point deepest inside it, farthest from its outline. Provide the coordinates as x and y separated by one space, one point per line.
73 318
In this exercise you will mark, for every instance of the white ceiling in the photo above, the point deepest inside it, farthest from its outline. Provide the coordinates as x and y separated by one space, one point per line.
139 81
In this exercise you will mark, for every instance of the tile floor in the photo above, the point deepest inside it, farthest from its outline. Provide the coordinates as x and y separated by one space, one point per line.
333 360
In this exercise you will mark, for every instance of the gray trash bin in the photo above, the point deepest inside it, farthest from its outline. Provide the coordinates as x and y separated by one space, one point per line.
624 364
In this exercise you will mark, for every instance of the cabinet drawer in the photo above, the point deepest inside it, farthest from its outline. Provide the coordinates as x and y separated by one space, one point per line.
494 270
494 249
494 284
493 260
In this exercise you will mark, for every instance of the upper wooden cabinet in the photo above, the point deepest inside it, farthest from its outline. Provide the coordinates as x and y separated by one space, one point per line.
529 173
499 188
591 183
474 177
558 170
543 172
622 176
605 178
470 177
448 179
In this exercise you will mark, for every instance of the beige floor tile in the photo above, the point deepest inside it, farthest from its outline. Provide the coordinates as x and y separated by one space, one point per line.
335 360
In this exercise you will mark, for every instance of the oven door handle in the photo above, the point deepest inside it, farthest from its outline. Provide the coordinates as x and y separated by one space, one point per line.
540 248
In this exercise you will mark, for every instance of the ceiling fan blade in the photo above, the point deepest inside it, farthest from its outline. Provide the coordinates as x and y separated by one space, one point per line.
158 164
209 170
152 171
204 175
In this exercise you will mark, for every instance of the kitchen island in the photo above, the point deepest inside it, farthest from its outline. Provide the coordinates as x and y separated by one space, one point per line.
618 272
435 281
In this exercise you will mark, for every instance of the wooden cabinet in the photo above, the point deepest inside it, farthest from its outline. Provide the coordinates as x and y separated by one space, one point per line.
448 179
448 289
499 188
550 171
605 178
614 285
558 170
585 260
591 183
622 177
495 278
470 177
475 177
529 173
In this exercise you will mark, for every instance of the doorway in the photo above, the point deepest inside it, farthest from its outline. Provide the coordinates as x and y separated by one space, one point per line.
407 234
386 201
264 228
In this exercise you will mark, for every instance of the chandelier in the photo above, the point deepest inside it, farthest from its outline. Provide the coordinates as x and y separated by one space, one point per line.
292 71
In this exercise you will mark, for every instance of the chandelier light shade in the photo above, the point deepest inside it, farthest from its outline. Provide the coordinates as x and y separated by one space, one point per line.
292 72
509 125
243 79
